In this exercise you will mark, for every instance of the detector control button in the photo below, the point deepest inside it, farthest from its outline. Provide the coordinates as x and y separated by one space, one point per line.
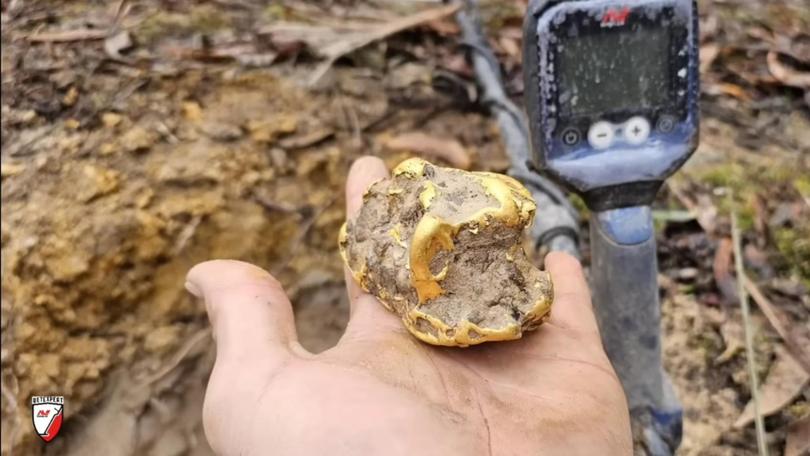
665 123
600 136
571 136
636 130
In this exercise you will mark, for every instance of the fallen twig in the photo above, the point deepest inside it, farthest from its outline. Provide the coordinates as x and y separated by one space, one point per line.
306 227
68 36
178 356
186 234
89 34
749 336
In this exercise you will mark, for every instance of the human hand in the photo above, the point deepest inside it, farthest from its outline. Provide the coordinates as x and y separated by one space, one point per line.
381 391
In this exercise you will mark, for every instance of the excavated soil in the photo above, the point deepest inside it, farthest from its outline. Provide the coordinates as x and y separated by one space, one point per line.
101 224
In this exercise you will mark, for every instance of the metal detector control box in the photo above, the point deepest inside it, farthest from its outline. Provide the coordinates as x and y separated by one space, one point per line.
612 94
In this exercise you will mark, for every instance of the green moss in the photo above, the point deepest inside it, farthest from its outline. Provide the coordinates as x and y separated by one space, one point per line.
206 19
802 185
686 289
160 25
775 181
275 11
726 175
497 13
799 409
659 225
775 174
200 19
794 245
783 14
744 206
709 345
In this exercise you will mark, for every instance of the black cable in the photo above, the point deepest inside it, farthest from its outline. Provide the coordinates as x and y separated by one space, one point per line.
495 99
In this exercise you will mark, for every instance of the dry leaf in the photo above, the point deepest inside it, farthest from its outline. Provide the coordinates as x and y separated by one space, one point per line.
796 337
708 54
727 88
722 270
447 149
785 381
734 339
798 438
510 46
786 75
444 27
115 44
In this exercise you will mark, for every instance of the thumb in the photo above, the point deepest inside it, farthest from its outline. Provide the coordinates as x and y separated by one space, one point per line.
253 327
572 307
248 309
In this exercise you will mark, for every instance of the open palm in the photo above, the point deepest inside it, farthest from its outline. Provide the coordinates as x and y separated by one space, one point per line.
382 392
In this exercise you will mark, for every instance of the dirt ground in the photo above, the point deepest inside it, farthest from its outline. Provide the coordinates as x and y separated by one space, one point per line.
139 138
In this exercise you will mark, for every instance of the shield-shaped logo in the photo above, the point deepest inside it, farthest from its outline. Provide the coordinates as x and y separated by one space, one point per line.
47 412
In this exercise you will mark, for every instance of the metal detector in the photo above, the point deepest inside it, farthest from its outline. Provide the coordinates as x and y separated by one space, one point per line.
612 98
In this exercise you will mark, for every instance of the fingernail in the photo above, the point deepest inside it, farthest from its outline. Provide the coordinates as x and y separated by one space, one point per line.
191 288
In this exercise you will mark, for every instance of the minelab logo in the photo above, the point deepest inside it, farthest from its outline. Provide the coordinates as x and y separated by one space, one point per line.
47 412
615 17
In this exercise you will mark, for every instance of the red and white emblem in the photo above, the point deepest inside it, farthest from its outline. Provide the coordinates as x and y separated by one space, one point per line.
47 412
614 17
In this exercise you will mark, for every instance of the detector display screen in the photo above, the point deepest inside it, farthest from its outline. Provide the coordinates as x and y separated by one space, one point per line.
615 70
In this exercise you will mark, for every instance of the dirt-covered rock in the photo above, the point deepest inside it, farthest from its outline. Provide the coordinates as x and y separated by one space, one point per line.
442 248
